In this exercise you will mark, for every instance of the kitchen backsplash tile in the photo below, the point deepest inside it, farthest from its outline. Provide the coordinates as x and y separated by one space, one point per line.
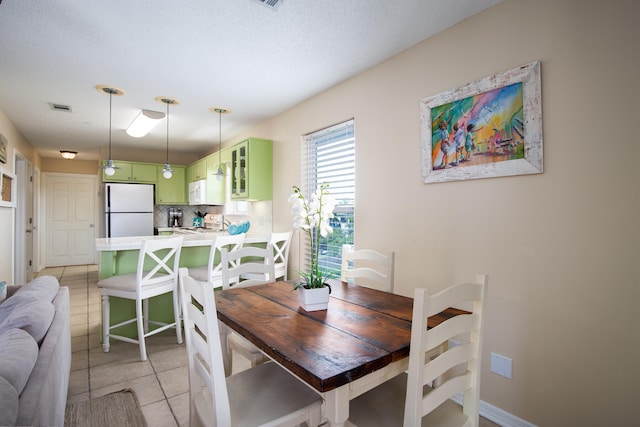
260 215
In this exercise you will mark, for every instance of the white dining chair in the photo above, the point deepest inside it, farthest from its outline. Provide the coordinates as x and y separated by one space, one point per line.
367 267
416 398
266 395
211 272
157 274
281 242
243 267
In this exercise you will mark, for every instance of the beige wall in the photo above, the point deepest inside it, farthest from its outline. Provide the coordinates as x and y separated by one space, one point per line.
60 165
561 247
7 215
149 156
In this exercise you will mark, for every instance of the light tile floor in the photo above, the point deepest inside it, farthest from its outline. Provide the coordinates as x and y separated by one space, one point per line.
161 382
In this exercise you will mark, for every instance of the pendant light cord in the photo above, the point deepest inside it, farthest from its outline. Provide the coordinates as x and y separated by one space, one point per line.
110 97
167 162
219 139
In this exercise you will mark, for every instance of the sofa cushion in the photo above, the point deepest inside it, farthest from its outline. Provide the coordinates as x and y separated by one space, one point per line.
43 287
32 315
9 399
18 355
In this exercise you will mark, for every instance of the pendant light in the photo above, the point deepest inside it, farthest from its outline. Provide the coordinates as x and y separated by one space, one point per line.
167 172
109 168
220 111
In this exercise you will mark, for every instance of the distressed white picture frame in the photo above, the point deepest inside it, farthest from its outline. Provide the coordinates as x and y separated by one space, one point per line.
532 163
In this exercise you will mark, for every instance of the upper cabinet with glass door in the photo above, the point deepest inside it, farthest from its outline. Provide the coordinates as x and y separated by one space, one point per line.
252 170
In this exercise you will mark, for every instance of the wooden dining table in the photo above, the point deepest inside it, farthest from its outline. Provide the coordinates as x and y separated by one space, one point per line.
359 342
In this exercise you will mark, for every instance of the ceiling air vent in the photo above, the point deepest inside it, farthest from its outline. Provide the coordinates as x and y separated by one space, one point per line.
60 107
273 4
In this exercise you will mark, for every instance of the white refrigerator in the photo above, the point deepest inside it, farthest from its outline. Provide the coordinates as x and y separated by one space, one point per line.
129 210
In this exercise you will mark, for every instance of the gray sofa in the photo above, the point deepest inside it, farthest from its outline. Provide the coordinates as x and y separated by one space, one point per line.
35 354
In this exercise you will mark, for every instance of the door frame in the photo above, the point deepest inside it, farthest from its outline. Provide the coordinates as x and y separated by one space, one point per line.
23 168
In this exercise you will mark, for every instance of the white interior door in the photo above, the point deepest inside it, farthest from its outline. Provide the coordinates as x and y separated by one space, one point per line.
70 213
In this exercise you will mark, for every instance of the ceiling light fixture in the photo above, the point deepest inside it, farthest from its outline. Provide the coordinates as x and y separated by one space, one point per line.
109 168
167 172
220 111
69 155
144 122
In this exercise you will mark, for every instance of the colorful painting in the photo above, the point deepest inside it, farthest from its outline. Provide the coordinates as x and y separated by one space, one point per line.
488 128
3 148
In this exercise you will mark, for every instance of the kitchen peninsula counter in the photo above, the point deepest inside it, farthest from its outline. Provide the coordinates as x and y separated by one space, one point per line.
190 240
119 256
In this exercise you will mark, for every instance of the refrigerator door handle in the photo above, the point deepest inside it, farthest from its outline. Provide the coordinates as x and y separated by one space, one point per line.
108 200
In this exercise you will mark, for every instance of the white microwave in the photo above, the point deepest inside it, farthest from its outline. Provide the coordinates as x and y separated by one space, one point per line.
198 192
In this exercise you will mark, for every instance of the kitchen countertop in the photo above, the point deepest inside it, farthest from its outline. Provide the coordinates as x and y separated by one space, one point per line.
190 240
192 229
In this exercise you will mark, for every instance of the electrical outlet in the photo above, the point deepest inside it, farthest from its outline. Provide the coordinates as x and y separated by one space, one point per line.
501 365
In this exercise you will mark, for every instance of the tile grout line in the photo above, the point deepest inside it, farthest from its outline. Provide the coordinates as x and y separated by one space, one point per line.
88 332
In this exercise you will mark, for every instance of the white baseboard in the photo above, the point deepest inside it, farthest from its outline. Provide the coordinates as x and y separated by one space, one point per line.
497 415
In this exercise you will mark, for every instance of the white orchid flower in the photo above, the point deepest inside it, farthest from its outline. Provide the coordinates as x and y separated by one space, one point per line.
314 217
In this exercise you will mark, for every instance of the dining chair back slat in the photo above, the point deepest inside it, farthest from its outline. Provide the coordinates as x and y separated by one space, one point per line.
375 268
266 395
422 395
241 268
246 266
212 271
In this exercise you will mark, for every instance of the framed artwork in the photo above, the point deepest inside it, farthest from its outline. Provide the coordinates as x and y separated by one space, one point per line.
7 189
488 128
3 148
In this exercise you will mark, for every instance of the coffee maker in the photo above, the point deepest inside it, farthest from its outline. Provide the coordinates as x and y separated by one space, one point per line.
175 217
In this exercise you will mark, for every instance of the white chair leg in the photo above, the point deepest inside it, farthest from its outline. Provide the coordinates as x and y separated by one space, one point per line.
145 316
140 323
229 358
105 323
177 315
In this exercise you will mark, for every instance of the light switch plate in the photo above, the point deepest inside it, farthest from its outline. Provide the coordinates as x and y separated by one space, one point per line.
501 365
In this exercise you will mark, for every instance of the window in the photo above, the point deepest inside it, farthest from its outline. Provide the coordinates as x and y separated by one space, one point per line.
329 156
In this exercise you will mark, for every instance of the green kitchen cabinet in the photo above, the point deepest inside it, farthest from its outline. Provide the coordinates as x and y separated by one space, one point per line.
172 191
215 188
252 170
131 172
197 171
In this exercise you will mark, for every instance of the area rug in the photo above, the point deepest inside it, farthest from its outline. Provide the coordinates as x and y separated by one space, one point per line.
120 408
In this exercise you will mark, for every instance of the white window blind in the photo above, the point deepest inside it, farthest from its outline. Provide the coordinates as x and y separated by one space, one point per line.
329 156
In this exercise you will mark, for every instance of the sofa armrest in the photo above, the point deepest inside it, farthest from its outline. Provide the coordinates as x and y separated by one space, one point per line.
44 398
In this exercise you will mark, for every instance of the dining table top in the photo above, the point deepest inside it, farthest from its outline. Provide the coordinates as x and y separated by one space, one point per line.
362 330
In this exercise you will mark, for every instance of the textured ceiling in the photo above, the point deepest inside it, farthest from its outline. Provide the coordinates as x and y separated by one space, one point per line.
238 54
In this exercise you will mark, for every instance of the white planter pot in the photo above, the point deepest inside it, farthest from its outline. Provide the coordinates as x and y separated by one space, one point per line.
314 299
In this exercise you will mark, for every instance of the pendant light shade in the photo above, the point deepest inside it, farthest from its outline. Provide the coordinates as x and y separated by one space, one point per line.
167 172
220 111
110 168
